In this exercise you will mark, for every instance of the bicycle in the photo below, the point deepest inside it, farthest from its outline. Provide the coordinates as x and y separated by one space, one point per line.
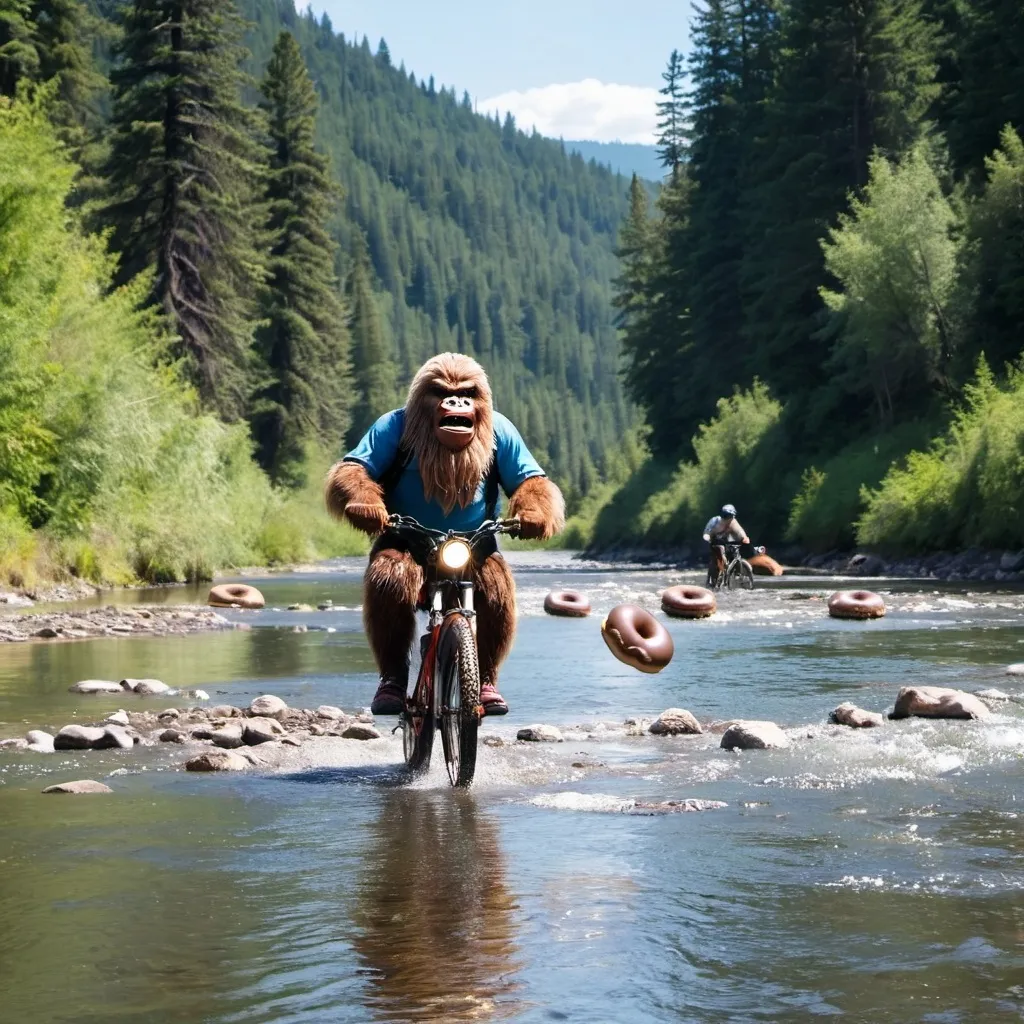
737 572
446 697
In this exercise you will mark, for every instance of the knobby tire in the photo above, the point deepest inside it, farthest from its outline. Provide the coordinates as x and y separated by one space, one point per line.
417 747
741 575
458 675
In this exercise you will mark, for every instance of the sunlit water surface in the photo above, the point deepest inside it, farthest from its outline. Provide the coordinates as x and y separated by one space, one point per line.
875 875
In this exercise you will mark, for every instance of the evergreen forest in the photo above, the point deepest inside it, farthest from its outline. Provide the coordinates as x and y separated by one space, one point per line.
822 312
228 237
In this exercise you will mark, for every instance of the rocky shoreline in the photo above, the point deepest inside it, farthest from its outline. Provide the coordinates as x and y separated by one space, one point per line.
111 621
974 565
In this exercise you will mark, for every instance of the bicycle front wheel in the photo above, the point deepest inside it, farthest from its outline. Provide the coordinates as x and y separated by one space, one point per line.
741 576
458 675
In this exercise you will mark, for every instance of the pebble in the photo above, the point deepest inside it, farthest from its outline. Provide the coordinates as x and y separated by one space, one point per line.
540 734
754 735
79 786
675 722
492 741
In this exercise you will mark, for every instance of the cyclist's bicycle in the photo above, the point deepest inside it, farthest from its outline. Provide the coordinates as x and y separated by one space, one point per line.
446 697
737 572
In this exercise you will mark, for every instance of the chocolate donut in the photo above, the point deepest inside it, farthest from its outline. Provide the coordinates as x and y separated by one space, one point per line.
569 603
235 595
637 638
855 604
686 602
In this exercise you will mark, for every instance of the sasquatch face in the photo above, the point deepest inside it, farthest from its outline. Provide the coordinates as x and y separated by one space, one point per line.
455 414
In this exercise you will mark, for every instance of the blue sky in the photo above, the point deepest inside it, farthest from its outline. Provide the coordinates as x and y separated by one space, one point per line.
576 68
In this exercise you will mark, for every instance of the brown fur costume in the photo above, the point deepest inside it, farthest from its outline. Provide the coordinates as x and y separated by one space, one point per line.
451 476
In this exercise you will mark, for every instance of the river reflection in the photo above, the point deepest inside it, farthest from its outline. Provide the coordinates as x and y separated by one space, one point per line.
435 915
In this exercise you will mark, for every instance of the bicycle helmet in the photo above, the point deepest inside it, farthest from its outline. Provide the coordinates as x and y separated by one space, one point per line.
729 511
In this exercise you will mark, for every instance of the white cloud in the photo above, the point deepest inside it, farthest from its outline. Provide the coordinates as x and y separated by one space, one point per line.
589 109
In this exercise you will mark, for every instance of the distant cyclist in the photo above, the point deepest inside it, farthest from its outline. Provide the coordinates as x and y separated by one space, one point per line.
721 530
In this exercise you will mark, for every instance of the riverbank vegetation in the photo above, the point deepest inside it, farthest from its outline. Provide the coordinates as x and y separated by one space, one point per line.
228 237
839 240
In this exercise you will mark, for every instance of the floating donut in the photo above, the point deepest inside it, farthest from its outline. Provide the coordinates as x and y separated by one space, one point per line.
235 595
569 603
637 638
688 602
855 604
764 565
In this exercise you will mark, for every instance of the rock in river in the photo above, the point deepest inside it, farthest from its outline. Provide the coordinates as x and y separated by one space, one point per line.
938 702
540 734
115 736
95 686
675 722
39 741
360 731
119 717
268 706
754 736
79 737
855 717
79 786
145 687
330 712
229 736
172 736
261 730
217 761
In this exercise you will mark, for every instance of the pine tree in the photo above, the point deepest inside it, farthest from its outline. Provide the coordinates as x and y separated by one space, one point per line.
853 77
183 170
18 57
374 373
672 112
634 252
304 340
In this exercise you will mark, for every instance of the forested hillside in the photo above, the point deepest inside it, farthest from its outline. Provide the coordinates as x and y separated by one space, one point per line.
267 228
833 276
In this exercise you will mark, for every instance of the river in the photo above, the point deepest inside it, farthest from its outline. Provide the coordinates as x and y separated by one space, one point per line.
874 875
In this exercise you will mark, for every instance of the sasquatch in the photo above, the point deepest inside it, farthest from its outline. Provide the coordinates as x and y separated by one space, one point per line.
438 459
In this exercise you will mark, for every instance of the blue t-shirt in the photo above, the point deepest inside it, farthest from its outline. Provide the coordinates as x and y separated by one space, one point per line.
378 450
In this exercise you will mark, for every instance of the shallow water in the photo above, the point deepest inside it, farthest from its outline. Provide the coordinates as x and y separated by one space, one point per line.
872 875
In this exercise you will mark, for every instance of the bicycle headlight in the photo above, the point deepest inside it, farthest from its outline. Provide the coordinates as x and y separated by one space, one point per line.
454 554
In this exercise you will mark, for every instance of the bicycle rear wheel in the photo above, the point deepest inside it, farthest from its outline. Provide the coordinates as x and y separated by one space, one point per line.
458 675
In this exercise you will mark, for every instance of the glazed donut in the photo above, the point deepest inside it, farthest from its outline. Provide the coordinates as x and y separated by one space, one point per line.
637 638
569 603
688 602
764 565
855 604
235 595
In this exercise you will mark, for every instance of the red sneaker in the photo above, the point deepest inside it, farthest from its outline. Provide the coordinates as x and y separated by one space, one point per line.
492 701
389 698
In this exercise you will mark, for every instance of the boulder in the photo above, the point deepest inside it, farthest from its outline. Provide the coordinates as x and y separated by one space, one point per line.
855 717
95 686
119 717
172 736
225 711
268 706
229 736
261 730
145 687
675 722
938 702
47 633
360 731
329 711
79 737
79 786
754 736
217 761
39 741
203 732
115 736
14 743
540 734
1015 670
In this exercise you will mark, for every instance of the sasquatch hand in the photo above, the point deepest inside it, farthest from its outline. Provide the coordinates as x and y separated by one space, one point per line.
370 518
533 526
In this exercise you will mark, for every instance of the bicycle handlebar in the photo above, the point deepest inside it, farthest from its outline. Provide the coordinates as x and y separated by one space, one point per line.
406 524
